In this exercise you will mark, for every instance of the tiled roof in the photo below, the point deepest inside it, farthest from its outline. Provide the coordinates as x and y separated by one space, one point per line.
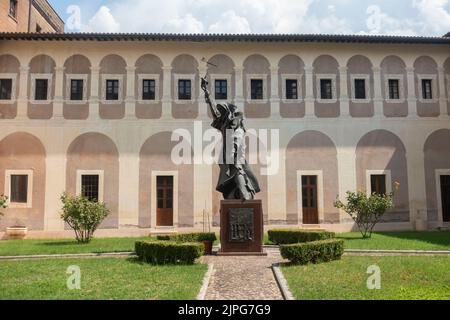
223 37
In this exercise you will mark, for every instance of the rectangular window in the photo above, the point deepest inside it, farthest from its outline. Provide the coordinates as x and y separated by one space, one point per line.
19 188
5 89
112 89
76 90
221 89
427 89
257 89
360 89
184 90
41 90
326 89
13 8
291 89
394 89
90 187
148 89
378 184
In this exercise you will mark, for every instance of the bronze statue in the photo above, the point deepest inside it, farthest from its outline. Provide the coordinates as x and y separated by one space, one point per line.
236 180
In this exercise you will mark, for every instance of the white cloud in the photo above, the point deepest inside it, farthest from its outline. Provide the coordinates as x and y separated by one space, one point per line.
186 24
436 20
102 21
229 22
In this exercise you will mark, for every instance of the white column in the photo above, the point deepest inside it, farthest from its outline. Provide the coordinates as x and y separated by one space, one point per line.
309 95
442 94
345 103
276 193
94 112
239 95
130 100
202 106
377 95
22 101
55 180
412 99
59 94
346 157
128 187
274 92
167 93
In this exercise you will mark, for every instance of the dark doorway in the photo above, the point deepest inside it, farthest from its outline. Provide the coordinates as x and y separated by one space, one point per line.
164 213
445 195
309 200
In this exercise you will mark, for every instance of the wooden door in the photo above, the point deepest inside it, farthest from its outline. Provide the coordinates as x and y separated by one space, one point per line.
445 195
309 200
164 212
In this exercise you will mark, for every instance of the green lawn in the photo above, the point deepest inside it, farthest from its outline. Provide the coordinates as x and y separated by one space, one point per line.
105 279
402 278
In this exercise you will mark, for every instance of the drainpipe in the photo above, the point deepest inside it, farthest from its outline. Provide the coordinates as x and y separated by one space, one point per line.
29 15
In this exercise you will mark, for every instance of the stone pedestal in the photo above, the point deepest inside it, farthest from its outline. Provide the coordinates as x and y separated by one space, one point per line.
241 227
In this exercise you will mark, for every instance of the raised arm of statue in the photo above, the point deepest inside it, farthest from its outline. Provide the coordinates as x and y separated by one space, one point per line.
211 105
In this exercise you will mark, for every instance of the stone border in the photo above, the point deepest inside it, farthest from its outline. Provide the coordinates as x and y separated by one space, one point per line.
202 294
356 252
282 282
68 256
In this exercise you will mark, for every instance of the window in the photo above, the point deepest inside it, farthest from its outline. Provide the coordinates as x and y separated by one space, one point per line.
76 89
41 90
394 89
13 8
90 186
291 89
378 184
184 89
19 188
148 89
360 89
326 89
221 88
5 89
427 89
38 28
112 90
257 91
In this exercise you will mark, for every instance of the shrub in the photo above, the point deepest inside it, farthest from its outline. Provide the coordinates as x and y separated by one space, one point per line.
83 216
168 252
162 238
288 236
3 201
194 237
313 252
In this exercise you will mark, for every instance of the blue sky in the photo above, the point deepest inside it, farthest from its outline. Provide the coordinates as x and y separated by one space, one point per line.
399 17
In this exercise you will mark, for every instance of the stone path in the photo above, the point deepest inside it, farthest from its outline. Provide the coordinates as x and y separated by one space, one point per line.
244 278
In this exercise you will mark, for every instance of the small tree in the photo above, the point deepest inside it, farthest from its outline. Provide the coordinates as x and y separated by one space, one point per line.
83 216
3 201
365 210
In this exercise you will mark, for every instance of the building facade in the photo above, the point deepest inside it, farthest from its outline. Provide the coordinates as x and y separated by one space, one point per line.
29 16
94 115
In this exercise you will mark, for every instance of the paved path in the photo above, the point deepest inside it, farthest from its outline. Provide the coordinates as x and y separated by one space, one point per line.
244 278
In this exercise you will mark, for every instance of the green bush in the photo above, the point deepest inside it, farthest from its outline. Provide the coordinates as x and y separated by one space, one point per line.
194 237
313 252
289 236
83 216
3 201
168 252
162 238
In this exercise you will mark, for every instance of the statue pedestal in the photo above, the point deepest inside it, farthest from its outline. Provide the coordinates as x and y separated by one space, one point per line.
241 228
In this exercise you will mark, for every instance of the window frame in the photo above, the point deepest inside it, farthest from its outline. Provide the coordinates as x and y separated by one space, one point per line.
401 87
141 77
69 78
43 76
324 76
220 81
228 78
366 78
105 78
176 78
17 205
434 88
284 78
13 14
370 173
262 77
13 78
101 182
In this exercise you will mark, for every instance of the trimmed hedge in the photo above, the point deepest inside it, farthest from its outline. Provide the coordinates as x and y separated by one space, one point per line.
290 236
313 252
168 252
192 237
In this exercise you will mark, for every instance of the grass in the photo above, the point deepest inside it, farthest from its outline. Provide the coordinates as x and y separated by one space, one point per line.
101 279
402 278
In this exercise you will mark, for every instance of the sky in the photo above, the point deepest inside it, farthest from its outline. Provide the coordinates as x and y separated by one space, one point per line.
388 17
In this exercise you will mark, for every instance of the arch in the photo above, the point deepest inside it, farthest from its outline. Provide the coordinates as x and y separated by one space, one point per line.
154 157
437 162
291 67
75 66
325 64
328 67
10 65
24 151
257 66
39 65
312 153
426 67
394 66
42 64
360 66
382 150
96 151
115 65
185 63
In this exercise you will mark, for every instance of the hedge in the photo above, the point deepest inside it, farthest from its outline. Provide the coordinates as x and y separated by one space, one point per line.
289 236
313 252
168 252
190 237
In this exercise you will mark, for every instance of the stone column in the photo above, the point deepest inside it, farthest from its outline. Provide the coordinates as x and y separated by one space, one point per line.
378 93
202 106
94 112
59 94
309 94
239 95
344 99
412 99
276 190
22 101
346 157
442 95
130 100
167 93
274 92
